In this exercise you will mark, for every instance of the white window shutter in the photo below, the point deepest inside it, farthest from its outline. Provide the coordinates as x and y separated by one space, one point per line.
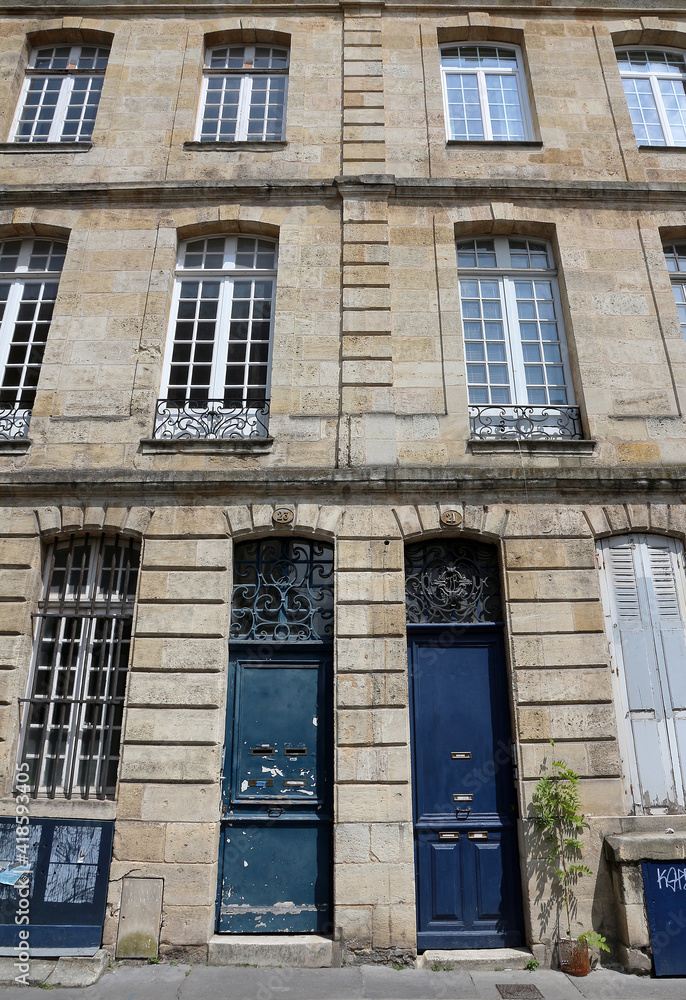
640 655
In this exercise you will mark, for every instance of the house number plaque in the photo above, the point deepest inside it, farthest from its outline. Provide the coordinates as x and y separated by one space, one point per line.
450 517
282 515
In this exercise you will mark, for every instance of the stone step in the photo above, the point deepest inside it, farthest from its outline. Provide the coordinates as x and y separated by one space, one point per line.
300 951
483 959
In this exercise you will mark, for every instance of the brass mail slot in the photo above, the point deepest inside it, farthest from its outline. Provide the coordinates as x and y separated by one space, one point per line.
264 751
478 835
295 751
448 835
463 797
294 783
260 783
461 755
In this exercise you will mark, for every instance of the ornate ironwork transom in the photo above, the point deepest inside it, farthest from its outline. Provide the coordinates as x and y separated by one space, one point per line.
283 590
452 582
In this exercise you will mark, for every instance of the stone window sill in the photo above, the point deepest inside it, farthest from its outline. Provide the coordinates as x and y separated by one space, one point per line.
563 446
15 446
261 146
509 143
663 149
205 446
45 147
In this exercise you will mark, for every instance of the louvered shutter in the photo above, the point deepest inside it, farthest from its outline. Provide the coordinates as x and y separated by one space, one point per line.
642 649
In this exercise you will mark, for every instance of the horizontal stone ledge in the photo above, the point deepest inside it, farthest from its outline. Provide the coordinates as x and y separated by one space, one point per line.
259 146
201 446
425 189
540 446
45 147
630 848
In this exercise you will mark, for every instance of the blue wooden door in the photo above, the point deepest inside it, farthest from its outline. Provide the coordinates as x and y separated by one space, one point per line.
466 854
275 861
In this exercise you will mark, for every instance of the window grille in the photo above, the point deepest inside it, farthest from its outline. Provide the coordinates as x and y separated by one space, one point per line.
72 715
244 94
452 582
283 590
61 93
655 86
518 374
29 278
484 93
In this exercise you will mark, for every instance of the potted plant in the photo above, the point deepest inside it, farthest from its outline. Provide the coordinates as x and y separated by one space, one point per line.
559 819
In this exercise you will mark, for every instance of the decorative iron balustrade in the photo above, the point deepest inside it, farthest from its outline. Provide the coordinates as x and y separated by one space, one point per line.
283 590
524 423
452 582
210 419
14 421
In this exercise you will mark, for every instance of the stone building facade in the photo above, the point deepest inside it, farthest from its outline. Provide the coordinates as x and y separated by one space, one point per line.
368 435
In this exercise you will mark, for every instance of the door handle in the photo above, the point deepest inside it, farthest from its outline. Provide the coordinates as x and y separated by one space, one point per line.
275 812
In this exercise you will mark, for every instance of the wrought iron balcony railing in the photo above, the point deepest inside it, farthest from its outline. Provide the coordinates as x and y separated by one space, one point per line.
14 421
210 419
524 423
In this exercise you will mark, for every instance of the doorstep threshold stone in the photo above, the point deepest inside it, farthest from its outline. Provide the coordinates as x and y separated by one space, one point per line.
69 970
483 959
300 951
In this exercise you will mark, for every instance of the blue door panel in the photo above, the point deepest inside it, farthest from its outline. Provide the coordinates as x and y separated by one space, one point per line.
490 879
468 889
275 862
445 876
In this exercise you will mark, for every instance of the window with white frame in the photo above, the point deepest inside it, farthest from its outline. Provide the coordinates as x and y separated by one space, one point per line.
675 255
655 87
244 94
484 93
29 278
218 356
518 374
61 93
72 714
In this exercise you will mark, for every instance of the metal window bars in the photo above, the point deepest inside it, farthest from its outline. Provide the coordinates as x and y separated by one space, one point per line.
524 423
211 419
72 715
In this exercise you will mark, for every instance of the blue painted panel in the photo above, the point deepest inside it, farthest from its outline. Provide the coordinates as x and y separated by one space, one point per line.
468 889
275 864
664 884
275 877
70 864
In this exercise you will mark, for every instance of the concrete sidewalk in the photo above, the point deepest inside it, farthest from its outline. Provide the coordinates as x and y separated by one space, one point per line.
201 982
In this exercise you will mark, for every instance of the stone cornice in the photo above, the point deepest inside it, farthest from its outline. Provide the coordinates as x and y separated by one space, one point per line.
537 8
435 189
423 485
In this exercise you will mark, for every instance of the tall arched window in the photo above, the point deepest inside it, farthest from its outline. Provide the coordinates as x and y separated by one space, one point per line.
72 713
675 255
244 93
61 93
29 277
655 87
518 374
218 356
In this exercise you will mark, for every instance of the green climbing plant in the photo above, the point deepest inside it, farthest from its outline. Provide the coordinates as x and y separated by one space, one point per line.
559 819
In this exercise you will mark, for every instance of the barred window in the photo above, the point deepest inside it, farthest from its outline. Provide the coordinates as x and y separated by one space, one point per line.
61 93
244 93
29 277
72 714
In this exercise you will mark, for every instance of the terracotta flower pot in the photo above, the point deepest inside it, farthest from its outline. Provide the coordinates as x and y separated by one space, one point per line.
572 957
